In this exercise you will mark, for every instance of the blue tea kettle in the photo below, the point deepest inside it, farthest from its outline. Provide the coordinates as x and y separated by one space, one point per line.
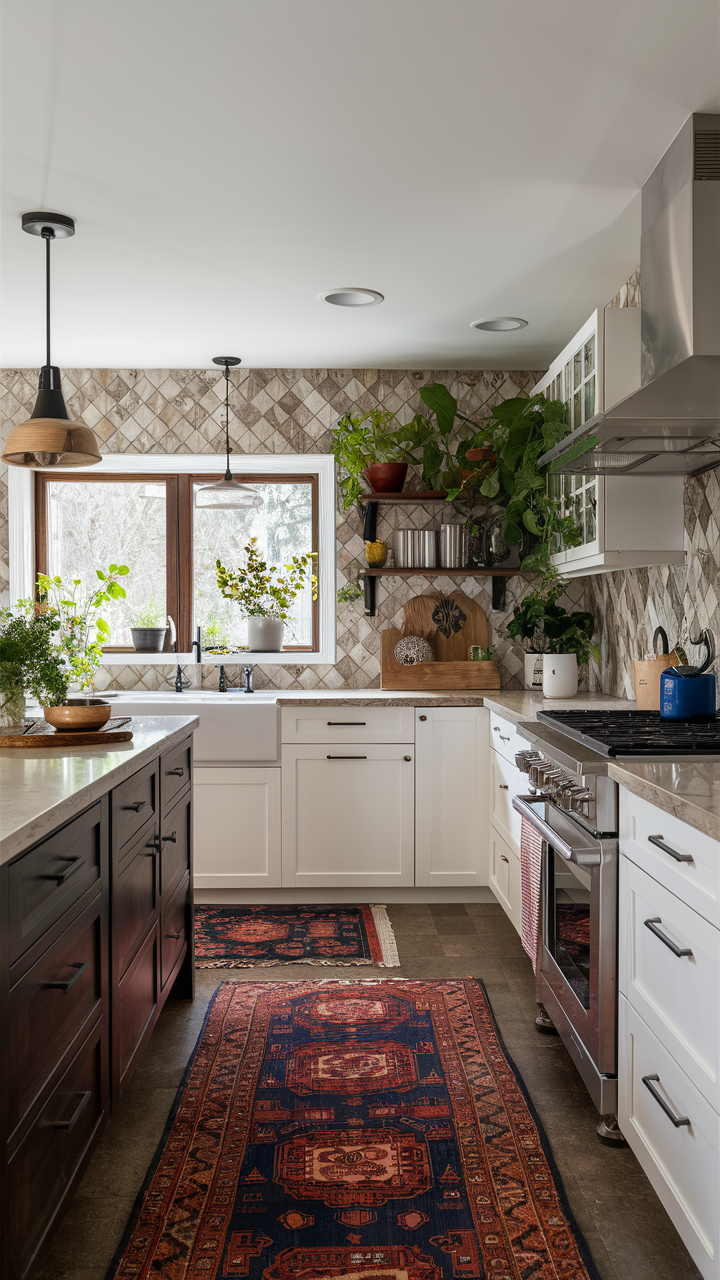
689 693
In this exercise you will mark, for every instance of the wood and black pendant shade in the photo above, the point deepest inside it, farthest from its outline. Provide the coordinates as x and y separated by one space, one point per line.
50 438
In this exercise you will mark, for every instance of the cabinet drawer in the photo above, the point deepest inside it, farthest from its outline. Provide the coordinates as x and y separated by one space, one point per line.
677 996
45 882
134 901
175 772
40 1172
505 878
175 835
505 782
695 879
680 1161
134 1004
505 738
134 803
173 930
50 1005
348 724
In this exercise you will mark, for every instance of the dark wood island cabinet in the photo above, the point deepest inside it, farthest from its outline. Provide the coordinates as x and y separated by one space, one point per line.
97 933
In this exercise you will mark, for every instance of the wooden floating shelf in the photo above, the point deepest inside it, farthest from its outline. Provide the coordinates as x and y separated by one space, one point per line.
438 572
424 495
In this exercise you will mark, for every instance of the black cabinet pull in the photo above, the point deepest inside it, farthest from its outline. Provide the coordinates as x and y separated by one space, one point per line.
70 1124
174 773
173 935
346 757
65 986
136 805
359 724
503 786
75 865
660 843
172 838
678 1121
652 924
152 845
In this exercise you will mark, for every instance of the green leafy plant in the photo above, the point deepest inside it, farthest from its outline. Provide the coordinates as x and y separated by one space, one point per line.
148 614
257 592
79 618
486 653
373 437
544 626
444 458
31 662
215 635
350 591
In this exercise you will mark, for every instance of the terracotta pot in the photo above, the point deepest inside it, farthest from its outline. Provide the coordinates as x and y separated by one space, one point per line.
386 477
481 455
82 717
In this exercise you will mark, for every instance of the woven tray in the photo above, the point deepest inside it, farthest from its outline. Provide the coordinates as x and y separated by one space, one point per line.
39 734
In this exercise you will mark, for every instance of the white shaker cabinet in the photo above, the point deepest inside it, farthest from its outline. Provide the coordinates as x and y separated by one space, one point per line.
451 804
237 828
348 814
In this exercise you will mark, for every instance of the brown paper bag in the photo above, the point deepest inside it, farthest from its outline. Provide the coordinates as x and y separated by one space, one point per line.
646 680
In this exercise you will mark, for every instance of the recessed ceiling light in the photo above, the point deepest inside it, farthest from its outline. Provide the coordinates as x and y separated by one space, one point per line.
351 297
499 324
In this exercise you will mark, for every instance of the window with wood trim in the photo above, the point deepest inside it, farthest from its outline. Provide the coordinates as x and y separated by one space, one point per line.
149 522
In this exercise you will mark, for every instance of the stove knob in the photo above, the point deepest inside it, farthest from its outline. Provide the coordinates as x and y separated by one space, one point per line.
579 798
524 759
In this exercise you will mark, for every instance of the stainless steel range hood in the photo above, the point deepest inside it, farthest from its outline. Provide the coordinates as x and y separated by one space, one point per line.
671 424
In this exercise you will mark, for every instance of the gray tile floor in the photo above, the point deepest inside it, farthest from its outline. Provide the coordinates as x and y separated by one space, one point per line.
629 1234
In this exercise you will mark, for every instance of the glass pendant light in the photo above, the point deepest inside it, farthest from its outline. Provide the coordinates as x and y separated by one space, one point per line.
49 438
227 494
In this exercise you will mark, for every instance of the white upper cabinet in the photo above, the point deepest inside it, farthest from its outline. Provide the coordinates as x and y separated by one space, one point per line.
627 521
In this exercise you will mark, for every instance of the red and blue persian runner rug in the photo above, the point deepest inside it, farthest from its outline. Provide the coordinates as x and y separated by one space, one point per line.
368 1129
247 937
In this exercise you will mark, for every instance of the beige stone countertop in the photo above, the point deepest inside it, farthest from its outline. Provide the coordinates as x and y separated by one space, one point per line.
689 789
40 789
514 705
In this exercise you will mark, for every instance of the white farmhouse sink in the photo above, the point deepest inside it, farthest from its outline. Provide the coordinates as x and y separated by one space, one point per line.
234 727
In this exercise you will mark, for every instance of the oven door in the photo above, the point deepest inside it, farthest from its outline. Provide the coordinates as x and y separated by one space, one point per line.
577 927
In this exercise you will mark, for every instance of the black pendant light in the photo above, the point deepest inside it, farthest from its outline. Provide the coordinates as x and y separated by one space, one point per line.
49 438
227 494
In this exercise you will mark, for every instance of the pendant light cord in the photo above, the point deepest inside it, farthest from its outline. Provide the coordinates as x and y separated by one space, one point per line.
47 234
228 475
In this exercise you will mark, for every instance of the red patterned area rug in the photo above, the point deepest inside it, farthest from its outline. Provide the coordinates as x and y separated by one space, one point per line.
368 1129
248 937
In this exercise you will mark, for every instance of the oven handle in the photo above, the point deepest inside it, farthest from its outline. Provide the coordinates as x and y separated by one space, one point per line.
579 854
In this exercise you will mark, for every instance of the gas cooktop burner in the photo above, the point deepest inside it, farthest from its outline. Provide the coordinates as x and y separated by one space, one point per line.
636 733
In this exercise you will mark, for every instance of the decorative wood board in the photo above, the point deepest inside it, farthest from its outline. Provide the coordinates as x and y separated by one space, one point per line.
466 614
433 676
40 734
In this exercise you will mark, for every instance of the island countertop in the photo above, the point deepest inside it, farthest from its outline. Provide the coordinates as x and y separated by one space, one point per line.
40 790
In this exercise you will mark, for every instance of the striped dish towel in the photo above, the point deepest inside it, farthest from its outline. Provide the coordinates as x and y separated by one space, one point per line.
530 859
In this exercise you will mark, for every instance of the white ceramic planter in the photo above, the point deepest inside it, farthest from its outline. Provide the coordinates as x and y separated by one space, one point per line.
265 635
534 670
560 675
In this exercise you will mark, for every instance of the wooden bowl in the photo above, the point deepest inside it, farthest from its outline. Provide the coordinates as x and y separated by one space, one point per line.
86 717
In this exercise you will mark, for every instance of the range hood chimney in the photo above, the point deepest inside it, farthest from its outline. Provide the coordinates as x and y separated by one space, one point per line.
671 424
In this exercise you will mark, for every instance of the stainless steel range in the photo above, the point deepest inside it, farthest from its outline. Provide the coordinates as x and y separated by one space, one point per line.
572 804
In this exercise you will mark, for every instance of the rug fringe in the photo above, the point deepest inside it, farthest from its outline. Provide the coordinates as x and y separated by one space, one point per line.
388 945
269 964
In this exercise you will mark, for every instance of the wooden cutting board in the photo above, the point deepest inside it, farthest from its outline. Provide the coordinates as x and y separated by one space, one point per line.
452 623
41 734
433 676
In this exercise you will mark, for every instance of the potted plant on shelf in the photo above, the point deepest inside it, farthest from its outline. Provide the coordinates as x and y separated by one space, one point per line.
547 629
375 448
147 627
266 600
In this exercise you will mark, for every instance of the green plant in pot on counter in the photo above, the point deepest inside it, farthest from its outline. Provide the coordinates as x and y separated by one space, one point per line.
375 448
82 632
544 626
31 663
264 596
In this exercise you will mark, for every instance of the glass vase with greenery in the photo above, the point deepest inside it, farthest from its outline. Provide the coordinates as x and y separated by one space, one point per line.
31 662
82 632
376 436
256 589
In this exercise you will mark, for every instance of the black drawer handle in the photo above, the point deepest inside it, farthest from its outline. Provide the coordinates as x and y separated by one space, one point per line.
174 935
153 846
652 924
504 859
678 1121
70 1124
679 857
172 838
503 786
174 773
65 986
75 865
359 724
136 805
346 757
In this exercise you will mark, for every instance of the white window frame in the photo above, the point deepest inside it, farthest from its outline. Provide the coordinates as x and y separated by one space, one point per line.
21 502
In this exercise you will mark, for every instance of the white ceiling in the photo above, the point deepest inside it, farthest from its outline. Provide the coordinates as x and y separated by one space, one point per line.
228 160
